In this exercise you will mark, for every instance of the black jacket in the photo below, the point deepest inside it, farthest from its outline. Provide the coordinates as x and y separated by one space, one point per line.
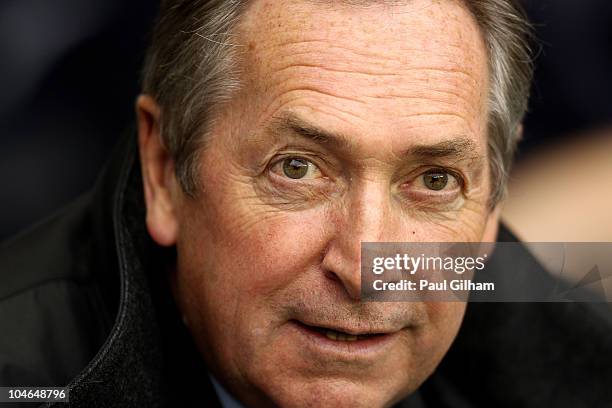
84 304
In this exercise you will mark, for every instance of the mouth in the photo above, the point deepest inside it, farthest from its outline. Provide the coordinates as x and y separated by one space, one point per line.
333 343
341 335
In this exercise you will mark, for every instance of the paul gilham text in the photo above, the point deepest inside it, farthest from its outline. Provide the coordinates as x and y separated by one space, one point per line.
424 284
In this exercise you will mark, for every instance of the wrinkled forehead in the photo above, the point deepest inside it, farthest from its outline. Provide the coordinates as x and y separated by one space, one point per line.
404 59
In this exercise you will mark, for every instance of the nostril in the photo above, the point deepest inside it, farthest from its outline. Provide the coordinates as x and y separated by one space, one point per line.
332 276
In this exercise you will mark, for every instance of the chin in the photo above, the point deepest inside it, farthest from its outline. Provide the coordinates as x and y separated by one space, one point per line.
326 392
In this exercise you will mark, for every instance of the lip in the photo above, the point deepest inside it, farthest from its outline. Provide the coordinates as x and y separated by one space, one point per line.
364 348
348 330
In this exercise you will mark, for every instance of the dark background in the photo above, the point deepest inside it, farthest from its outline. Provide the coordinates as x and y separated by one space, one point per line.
69 74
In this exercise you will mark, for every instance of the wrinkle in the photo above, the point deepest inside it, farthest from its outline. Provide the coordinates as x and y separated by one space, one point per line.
370 52
424 95
336 70
434 113
375 65
306 88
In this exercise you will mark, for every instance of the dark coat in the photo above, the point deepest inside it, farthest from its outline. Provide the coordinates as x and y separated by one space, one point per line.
84 304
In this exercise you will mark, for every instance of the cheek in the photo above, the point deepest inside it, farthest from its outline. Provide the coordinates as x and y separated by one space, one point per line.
444 322
468 225
446 317
236 257
273 251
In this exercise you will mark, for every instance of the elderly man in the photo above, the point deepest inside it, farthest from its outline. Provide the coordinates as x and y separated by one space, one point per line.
218 259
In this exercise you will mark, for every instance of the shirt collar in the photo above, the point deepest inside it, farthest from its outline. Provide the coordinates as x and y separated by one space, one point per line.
227 400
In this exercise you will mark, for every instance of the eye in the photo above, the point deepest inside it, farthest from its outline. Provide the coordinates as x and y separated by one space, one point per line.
297 168
436 181
434 186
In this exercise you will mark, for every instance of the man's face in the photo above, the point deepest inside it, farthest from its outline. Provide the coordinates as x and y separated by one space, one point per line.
355 123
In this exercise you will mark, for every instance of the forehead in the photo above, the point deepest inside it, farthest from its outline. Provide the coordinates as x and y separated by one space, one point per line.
409 67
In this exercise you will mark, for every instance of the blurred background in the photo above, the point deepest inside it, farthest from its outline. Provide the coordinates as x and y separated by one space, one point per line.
561 189
69 75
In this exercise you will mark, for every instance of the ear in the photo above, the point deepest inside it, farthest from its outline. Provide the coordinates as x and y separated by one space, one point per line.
160 186
492 225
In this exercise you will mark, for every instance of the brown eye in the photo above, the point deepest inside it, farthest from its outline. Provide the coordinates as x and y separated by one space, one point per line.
295 168
298 168
435 180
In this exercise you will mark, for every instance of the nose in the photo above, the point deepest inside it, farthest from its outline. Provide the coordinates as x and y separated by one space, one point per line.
364 216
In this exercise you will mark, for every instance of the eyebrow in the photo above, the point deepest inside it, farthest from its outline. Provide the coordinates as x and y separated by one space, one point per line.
292 123
458 148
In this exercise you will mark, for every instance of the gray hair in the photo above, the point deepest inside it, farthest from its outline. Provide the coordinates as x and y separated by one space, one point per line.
192 66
